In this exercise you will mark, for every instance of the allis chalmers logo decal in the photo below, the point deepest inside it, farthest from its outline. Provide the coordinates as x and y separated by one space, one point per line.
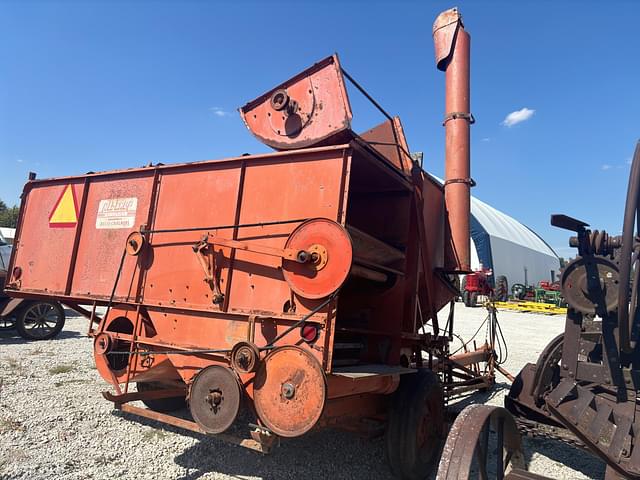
65 212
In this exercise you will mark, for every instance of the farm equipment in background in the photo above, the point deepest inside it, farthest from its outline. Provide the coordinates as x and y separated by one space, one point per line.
304 282
551 293
546 292
480 284
32 319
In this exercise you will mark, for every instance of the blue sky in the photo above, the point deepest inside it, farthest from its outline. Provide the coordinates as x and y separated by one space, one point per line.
97 86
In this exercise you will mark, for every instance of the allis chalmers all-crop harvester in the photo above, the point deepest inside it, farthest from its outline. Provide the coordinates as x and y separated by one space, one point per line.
304 283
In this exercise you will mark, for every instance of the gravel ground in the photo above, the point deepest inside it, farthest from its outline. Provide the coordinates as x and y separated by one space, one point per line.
55 424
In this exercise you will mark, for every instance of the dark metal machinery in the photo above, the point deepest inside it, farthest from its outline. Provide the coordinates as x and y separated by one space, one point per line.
587 380
583 389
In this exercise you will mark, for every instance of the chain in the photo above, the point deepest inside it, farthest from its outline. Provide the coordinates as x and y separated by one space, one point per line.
532 429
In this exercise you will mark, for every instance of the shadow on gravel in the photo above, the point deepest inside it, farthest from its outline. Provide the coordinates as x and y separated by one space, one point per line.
572 457
11 337
317 455
458 404
330 453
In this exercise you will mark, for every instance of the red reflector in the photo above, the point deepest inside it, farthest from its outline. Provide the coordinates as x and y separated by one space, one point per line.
17 273
309 333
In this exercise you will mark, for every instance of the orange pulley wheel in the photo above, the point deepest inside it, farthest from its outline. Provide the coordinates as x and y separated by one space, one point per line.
290 391
326 246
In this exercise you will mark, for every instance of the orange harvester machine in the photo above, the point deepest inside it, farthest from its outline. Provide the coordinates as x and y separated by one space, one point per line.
297 281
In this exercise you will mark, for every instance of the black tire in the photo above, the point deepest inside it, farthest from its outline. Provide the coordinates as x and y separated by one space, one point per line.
162 405
463 287
465 298
40 320
7 323
502 289
415 427
518 291
473 299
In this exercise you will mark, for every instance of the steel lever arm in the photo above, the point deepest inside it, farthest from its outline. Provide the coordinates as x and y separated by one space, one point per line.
300 256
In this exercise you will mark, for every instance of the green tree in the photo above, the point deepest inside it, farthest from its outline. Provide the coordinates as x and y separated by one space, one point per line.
8 216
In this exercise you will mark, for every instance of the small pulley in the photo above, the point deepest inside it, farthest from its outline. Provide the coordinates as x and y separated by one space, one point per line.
290 391
214 398
135 242
102 344
324 260
245 357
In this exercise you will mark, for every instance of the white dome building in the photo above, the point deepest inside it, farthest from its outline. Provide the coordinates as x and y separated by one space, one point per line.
509 248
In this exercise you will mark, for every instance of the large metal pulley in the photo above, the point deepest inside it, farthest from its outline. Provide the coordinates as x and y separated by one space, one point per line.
590 285
290 391
214 398
328 248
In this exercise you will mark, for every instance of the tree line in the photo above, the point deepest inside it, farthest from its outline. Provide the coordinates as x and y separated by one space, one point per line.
8 215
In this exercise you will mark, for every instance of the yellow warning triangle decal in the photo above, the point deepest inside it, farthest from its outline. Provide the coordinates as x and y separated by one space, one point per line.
65 212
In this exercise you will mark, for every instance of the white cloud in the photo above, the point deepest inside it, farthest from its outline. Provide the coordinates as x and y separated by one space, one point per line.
486 139
518 116
19 160
219 112
606 166
629 160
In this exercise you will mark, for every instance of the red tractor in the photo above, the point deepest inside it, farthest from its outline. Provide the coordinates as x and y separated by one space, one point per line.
479 283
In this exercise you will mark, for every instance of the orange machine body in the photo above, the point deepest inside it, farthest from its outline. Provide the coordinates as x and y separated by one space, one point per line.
346 241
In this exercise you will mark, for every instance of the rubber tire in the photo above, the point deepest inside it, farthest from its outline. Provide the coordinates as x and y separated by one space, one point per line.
473 299
518 291
465 298
7 323
24 332
502 289
418 395
463 287
162 405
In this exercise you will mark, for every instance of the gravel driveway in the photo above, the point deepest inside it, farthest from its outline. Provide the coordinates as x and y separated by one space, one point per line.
55 424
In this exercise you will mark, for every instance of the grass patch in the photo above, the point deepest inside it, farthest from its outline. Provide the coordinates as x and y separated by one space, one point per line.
40 351
61 369
14 365
13 362
67 382
151 435
10 425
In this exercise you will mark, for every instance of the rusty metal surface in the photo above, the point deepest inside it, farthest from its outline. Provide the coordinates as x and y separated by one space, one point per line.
10 306
452 47
290 391
388 139
467 449
306 110
148 395
215 398
586 380
249 443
